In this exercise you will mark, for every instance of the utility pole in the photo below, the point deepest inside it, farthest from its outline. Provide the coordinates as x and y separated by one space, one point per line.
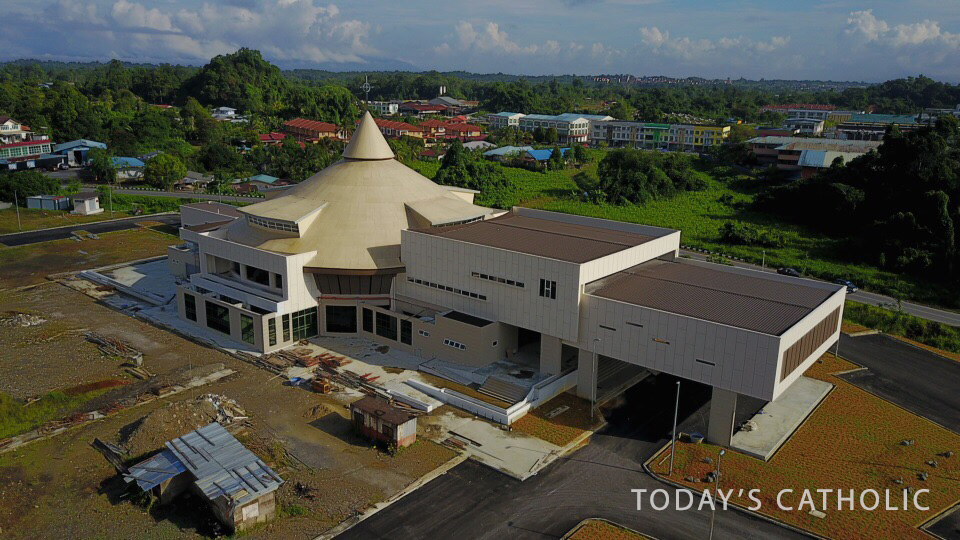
673 444
593 387
17 206
763 263
716 489
110 196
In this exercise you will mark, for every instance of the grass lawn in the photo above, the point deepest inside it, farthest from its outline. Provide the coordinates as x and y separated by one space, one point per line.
852 441
565 426
17 417
30 264
599 529
33 219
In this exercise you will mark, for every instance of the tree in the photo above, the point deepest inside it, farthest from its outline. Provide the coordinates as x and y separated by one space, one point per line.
551 136
556 161
101 165
463 169
164 171
579 154
622 110
218 156
26 184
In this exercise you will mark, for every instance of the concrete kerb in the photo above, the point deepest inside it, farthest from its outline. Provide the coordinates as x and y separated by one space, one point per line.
735 506
345 525
587 521
940 515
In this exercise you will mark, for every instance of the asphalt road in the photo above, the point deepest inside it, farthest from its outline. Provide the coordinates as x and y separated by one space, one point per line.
917 380
59 233
948 527
473 501
926 312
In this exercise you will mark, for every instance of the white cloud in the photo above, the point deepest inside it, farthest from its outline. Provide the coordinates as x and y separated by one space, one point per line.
867 27
864 23
657 41
488 37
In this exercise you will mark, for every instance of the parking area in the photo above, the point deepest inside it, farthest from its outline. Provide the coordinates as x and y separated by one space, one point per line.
913 378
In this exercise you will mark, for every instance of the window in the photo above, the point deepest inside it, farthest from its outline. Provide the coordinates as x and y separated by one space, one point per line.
423 333
406 332
548 289
272 331
454 344
257 275
342 319
305 324
286 327
496 279
448 288
495 343
386 326
278 281
246 329
367 320
273 224
190 306
218 317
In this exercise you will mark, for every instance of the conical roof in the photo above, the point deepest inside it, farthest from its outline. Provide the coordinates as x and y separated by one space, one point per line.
349 215
367 142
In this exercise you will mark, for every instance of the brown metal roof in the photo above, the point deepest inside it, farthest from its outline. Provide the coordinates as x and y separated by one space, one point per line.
543 238
381 409
713 294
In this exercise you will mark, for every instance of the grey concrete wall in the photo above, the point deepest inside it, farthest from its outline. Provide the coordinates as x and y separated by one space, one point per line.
723 409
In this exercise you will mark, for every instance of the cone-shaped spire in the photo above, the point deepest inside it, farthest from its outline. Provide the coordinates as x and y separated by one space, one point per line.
367 142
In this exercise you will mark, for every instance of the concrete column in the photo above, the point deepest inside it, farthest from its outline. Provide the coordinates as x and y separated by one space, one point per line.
550 351
723 408
586 374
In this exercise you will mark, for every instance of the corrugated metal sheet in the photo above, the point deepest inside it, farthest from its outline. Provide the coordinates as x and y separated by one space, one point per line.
155 470
222 466
713 294
543 238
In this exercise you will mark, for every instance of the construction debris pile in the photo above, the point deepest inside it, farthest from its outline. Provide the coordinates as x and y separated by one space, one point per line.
164 424
13 319
115 347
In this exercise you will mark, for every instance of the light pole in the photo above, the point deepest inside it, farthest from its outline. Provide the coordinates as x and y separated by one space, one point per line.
593 387
17 206
763 261
716 489
673 443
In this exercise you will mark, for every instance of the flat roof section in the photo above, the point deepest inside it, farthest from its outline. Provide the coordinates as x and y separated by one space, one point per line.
216 208
466 318
753 303
542 238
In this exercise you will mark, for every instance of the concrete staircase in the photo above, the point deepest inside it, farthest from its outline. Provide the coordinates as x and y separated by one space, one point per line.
503 390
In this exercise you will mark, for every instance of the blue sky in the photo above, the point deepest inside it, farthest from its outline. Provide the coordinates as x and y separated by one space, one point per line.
840 40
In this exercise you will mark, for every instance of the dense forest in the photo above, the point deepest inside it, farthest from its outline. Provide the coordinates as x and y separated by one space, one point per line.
901 203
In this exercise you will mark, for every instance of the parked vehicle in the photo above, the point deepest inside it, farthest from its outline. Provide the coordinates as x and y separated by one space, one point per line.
851 288
788 272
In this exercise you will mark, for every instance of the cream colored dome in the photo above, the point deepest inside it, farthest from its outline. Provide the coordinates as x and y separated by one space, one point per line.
351 213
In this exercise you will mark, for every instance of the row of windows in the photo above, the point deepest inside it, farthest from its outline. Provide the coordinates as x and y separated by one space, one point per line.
387 326
273 224
447 288
454 344
497 279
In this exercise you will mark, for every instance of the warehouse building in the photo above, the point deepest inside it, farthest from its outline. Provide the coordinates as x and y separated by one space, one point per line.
368 247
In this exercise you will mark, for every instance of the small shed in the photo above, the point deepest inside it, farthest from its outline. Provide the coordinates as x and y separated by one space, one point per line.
238 486
377 419
48 202
86 205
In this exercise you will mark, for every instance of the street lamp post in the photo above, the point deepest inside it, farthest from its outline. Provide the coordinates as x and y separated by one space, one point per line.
763 261
17 206
593 387
716 490
673 443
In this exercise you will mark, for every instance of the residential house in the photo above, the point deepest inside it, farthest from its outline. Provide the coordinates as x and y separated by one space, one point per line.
270 139
384 108
77 151
434 128
194 180
128 168
464 132
478 145
12 131
432 154
311 131
539 157
260 182
424 109
237 485
506 153
395 130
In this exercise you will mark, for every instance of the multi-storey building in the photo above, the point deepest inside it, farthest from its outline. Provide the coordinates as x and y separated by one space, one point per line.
625 134
369 248
695 137
571 127
305 130
502 120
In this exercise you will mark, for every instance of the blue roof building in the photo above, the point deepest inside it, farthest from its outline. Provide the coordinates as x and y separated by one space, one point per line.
127 162
544 154
79 144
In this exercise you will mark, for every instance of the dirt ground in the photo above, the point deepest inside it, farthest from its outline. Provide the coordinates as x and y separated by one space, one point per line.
61 487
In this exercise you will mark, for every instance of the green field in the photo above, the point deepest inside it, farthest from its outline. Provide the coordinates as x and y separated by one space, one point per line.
701 214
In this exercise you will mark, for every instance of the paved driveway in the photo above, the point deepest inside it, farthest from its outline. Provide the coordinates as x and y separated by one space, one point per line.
59 233
473 501
913 378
